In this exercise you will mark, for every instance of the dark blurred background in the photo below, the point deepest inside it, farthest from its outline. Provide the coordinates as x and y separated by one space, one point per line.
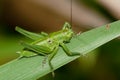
49 15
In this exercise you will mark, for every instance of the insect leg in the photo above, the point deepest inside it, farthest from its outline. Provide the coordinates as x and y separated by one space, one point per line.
44 34
50 58
26 54
28 34
33 48
77 35
66 25
67 51
44 61
107 26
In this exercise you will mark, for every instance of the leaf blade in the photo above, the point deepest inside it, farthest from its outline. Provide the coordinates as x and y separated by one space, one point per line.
30 68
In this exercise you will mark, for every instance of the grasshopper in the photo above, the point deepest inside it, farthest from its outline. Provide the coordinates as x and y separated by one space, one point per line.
47 44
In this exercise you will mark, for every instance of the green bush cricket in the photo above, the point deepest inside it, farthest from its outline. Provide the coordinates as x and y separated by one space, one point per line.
47 44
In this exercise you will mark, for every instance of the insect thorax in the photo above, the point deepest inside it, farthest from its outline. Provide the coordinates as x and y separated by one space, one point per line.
62 36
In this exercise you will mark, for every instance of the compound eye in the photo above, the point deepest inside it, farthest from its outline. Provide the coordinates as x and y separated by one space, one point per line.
49 41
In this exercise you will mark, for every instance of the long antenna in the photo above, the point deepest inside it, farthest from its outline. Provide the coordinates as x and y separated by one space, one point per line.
71 12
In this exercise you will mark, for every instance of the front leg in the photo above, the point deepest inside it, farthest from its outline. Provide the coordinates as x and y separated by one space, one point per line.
67 51
66 25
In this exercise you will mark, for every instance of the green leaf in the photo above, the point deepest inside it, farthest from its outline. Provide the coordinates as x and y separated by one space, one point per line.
31 68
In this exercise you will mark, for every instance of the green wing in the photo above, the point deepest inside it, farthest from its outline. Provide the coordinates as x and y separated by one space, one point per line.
30 35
